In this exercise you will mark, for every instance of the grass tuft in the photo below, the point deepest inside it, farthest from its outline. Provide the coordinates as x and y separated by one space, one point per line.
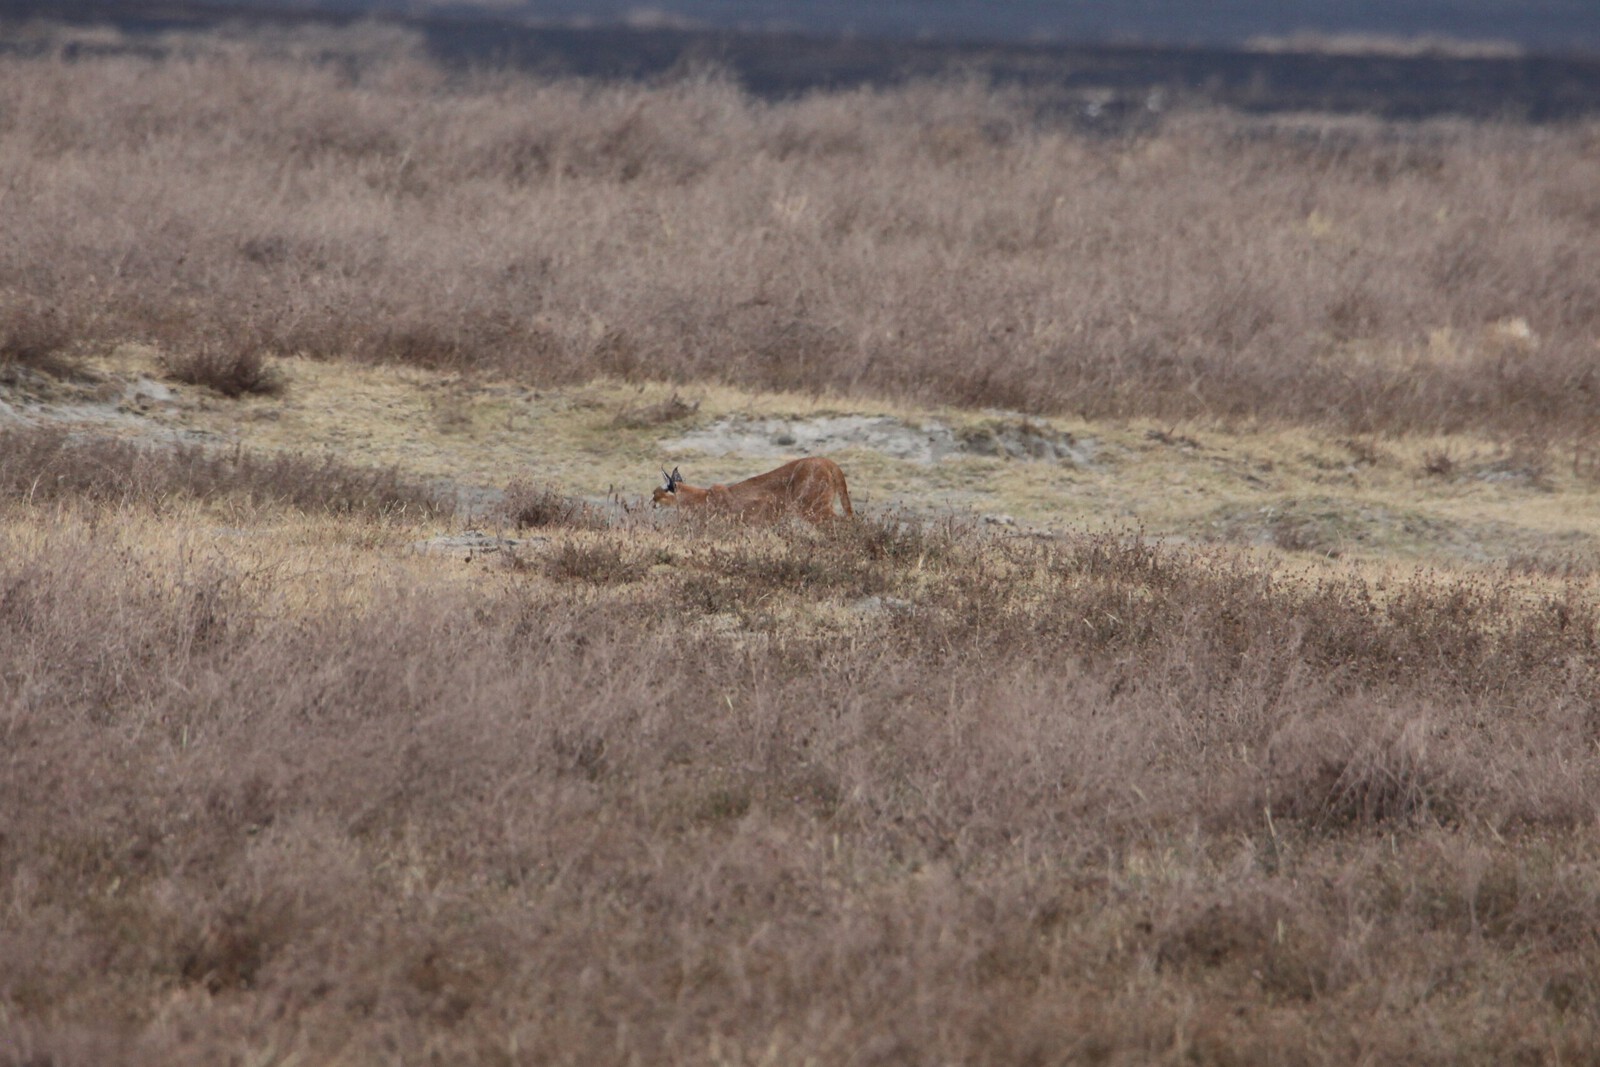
528 505
35 340
229 369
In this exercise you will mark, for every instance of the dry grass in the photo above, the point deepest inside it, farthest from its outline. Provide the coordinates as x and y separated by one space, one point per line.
648 416
939 243
899 793
228 368
44 464
527 505
32 339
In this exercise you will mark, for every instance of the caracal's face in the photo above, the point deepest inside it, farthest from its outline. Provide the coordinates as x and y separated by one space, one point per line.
664 498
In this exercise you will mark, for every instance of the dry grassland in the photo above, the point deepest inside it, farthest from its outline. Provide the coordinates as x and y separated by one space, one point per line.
944 243
276 786
897 794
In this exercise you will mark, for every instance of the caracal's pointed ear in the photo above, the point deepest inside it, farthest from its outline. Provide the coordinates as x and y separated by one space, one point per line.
668 477
674 478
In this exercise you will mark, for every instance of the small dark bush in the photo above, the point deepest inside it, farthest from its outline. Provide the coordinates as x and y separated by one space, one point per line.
527 506
229 368
36 340
1439 463
603 563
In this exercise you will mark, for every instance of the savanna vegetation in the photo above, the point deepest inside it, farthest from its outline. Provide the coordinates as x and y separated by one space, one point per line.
280 784
941 242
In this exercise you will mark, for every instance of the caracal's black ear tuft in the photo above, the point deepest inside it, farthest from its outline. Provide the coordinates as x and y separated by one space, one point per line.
668 477
674 478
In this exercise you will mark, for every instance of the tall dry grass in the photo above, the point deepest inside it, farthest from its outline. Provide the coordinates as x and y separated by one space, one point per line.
943 242
661 799
47 464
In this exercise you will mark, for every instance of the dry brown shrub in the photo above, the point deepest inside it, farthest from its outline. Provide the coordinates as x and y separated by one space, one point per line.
1370 772
1439 464
230 368
34 339
415 815
529 505
44 464
597 562
945 242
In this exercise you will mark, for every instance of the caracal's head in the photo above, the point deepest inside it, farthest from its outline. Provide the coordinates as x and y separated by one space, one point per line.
667 496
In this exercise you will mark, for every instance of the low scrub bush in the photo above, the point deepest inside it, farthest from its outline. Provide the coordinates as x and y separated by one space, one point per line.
1092 773
34 340
46 464
598 562
529 505
231 370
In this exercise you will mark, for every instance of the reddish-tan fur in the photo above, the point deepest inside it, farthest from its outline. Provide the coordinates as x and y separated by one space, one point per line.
803 487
